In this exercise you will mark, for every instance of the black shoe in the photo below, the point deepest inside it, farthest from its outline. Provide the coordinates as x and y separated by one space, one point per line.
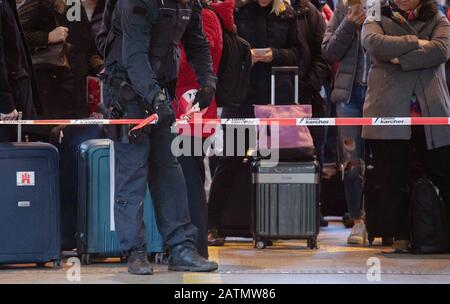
186 258
138 263
214 238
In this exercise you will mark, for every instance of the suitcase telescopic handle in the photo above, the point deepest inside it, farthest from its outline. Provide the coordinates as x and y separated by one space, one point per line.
19 128
279 69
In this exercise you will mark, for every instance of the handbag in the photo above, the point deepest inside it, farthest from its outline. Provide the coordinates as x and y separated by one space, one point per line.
292 142
51 56
288 137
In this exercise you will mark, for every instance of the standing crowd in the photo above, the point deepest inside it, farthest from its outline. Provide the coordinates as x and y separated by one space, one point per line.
348 64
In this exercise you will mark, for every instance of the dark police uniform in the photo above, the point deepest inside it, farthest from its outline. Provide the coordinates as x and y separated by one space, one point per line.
142 47
17 88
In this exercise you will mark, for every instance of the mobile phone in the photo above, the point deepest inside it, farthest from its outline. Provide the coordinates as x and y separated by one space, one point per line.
354 2
261 52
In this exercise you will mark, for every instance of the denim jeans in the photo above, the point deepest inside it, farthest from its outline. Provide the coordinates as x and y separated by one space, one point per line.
351 151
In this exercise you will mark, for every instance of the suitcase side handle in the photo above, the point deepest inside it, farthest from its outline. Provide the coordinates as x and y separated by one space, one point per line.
19 128
278 69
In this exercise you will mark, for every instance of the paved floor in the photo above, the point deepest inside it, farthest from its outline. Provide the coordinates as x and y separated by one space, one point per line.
285 262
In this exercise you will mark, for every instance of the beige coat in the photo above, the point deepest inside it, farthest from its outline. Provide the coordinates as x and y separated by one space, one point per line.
422 71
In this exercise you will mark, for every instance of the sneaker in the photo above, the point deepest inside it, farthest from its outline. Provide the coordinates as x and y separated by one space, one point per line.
214 238
186 258
358 235
400 246
138 263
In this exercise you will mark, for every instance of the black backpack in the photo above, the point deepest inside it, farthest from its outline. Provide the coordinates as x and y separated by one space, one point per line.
234 70
429 219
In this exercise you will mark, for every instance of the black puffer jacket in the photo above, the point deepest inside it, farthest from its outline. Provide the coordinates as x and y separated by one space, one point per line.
263 29
314 69
17 87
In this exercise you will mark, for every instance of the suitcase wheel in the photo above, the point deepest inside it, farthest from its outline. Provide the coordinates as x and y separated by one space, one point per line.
313 244
260 244
86 259
41 265
57 264
161 258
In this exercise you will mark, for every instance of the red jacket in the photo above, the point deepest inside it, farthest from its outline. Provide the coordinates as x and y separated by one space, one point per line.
187 81
327 13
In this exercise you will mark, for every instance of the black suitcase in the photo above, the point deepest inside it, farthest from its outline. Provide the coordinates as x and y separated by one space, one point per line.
285 201
375 207
67 139
29 205
333 202
235 218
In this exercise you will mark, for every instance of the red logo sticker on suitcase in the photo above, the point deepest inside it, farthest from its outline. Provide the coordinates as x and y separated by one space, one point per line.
25 179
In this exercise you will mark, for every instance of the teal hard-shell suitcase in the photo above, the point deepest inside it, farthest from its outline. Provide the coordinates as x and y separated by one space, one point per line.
96 236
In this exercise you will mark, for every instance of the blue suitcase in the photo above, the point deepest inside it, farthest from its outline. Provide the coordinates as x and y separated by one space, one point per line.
67 139
96 235
29 204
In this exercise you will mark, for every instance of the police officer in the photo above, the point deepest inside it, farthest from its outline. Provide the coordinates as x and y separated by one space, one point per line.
17 88
141 59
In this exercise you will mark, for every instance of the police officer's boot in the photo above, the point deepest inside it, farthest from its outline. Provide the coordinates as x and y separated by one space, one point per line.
185 257
138 263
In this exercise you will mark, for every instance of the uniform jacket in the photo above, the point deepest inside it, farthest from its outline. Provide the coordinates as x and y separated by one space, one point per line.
145 39
421 72
15 63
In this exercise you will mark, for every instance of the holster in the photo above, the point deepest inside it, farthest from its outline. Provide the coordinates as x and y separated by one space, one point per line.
126 103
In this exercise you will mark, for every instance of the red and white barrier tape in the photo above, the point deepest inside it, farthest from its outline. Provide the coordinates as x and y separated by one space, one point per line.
377 121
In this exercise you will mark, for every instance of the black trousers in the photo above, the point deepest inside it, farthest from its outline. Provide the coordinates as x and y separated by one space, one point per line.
57 92
5 134
398 164
226 170
194 175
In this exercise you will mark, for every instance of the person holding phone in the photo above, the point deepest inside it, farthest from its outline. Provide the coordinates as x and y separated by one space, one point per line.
270 27
342 44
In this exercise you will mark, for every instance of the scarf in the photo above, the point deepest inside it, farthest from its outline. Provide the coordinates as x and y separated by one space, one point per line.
401 15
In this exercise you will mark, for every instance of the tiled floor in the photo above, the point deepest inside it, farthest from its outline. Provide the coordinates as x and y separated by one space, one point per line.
285 262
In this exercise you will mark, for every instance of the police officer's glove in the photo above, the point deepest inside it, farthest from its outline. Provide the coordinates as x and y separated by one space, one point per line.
204 97
162 108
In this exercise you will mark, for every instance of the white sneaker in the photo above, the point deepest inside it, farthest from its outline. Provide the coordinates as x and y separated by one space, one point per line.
358 235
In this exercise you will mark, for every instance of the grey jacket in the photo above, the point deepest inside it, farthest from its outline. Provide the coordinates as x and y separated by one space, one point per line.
422 71
342 44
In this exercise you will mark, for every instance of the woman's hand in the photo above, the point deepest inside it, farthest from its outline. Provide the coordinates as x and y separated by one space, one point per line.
423 42
10 116
395 61
266 57
58 35
356 14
